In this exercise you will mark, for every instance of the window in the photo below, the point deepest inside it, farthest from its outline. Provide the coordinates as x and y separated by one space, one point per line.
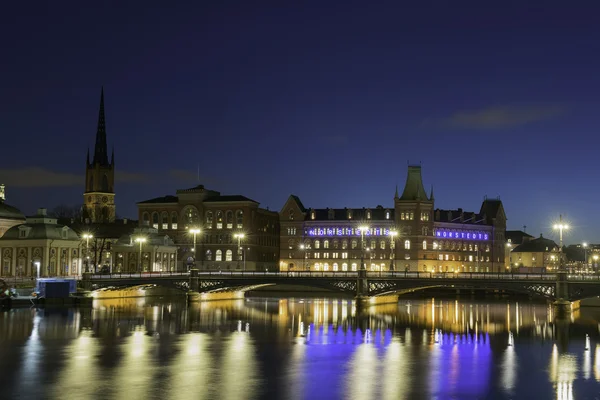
407 244
325 267
470 258
336 255
325 255
173 220
208 255
349 214
344 255
228 255
344 267
424 244
155 220
219 255
209 219
344 244
146 218
368 214
317 255
165 220
382 245
23 233
239 220
229 219
312 214
424 231
290 215
317 266
325 244
219 219
317 244
387 214
354 244
353 266
330 214
373 245
435 245
335 267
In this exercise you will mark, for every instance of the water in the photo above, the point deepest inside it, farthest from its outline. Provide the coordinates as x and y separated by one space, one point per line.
299 349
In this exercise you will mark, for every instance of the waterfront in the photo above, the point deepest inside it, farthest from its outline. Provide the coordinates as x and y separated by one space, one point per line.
299 349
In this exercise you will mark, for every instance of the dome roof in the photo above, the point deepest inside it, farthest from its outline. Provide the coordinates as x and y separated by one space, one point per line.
10 212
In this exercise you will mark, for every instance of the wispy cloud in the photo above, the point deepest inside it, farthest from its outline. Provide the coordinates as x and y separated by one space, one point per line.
502 116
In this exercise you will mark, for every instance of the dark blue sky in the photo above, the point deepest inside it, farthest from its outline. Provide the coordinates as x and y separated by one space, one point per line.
326 100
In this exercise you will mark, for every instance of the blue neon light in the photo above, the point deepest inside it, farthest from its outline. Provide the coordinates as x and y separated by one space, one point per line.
469 235
347 232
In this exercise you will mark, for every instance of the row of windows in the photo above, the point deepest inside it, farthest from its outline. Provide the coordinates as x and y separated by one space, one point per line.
331 214
373 244
191 218
219 255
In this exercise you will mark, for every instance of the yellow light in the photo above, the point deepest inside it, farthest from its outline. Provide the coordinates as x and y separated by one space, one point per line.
363 228
140 239
393 233
239 235
195 230
87 236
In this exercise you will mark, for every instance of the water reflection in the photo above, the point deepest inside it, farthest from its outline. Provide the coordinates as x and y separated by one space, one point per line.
298 349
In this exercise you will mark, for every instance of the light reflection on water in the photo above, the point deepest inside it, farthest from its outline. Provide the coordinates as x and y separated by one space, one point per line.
298 349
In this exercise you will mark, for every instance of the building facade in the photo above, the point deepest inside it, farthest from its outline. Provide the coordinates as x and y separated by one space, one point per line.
99 195
9 215
514 239
232 232
410 235
157 252
536 253
40 245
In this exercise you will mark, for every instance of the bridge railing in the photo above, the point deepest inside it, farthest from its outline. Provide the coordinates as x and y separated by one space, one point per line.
127 275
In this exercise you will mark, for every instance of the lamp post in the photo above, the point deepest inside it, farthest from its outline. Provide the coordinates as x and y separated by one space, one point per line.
393 235
585 263
362 229
87 237
141 241
595 257
303 247
239 237
560 227
194 231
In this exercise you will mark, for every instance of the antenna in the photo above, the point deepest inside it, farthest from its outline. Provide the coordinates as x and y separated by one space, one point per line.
525 228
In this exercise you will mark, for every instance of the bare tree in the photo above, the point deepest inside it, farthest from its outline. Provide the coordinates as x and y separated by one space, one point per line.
67 212
97 248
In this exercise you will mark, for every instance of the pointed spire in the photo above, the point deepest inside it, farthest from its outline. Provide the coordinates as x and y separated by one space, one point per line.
100 151
431 194
396 195
112 157
88 158
413 189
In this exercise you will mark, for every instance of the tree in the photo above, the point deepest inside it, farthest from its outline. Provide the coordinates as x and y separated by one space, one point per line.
64 211
97 248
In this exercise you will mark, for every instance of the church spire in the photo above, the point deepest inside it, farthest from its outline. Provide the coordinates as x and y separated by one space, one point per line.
431 195
396 195
101 151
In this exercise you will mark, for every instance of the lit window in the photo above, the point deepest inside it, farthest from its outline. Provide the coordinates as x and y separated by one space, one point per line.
336 255
165 220
290 215
368 214
344 244
344 267
219 219
325 244
344 255
470 258
312 215
229 219
325 255
174 220
317 255
335 266
325 267
219 255
424 244
155 220
407 256
382 245
317 266
387 215
209 219
229 255
441 257
353 266
435 245
208 255
317 244
407 244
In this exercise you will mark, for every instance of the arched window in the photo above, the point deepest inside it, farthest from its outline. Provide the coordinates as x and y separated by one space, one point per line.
344 244
382 245
208 255
344 267
219 219
146 218
373 245
173 220
209 219
239 219
228 255
317 266
325 244
317 244
424 244
219 255
326 267
335 267
190 217
354 244
353 266
155 220
165 220
229 219
407 244
104 183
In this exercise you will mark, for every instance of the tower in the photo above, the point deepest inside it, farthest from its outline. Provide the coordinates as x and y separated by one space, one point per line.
99 195
414 219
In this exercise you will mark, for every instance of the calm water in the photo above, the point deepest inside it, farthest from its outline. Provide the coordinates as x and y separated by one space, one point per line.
299 349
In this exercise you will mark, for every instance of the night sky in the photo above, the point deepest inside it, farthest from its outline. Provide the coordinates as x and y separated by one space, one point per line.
326 100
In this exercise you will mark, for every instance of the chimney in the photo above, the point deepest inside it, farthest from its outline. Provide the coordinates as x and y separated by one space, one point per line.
41 212
125 221
2 192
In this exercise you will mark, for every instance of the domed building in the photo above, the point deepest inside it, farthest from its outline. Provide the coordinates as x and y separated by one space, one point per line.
40 244
9 215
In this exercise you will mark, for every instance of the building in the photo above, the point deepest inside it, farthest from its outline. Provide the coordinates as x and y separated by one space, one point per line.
410 235
536 253
9 215
233 232
157 252
40 244
513 239
99 195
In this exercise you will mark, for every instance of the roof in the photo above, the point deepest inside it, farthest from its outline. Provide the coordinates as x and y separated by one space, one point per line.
413 188
358 214
150 234
40 231
517 237
10 212
105 230
457 216
490 209
222 199
298 202
163 199
538 245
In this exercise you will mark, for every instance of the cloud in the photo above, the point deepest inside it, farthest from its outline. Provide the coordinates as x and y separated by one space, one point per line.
502 116
36 177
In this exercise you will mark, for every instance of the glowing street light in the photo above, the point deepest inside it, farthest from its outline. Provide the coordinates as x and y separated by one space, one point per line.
141 240
560 227
585 263
194 231
363 229
239 237
87 237
393 235
303 247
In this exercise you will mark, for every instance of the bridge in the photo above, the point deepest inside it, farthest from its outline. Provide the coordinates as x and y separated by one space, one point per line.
362 284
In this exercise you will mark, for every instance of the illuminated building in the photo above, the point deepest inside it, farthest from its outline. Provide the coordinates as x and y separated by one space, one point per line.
428 239
9 215
158 252
536 253
513 239
216 219
99 195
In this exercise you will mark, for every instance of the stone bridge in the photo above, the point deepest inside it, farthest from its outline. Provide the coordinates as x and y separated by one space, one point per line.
363 284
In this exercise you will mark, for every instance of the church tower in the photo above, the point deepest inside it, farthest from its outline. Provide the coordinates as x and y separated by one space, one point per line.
99 196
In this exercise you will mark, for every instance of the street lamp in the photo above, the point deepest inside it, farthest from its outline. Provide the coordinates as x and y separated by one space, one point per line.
560 227
363 229
303 247
87 237
585 263
239 237
595 261
194 231
393 235
141 240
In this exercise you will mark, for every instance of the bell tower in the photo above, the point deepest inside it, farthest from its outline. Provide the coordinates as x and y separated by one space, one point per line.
99 195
